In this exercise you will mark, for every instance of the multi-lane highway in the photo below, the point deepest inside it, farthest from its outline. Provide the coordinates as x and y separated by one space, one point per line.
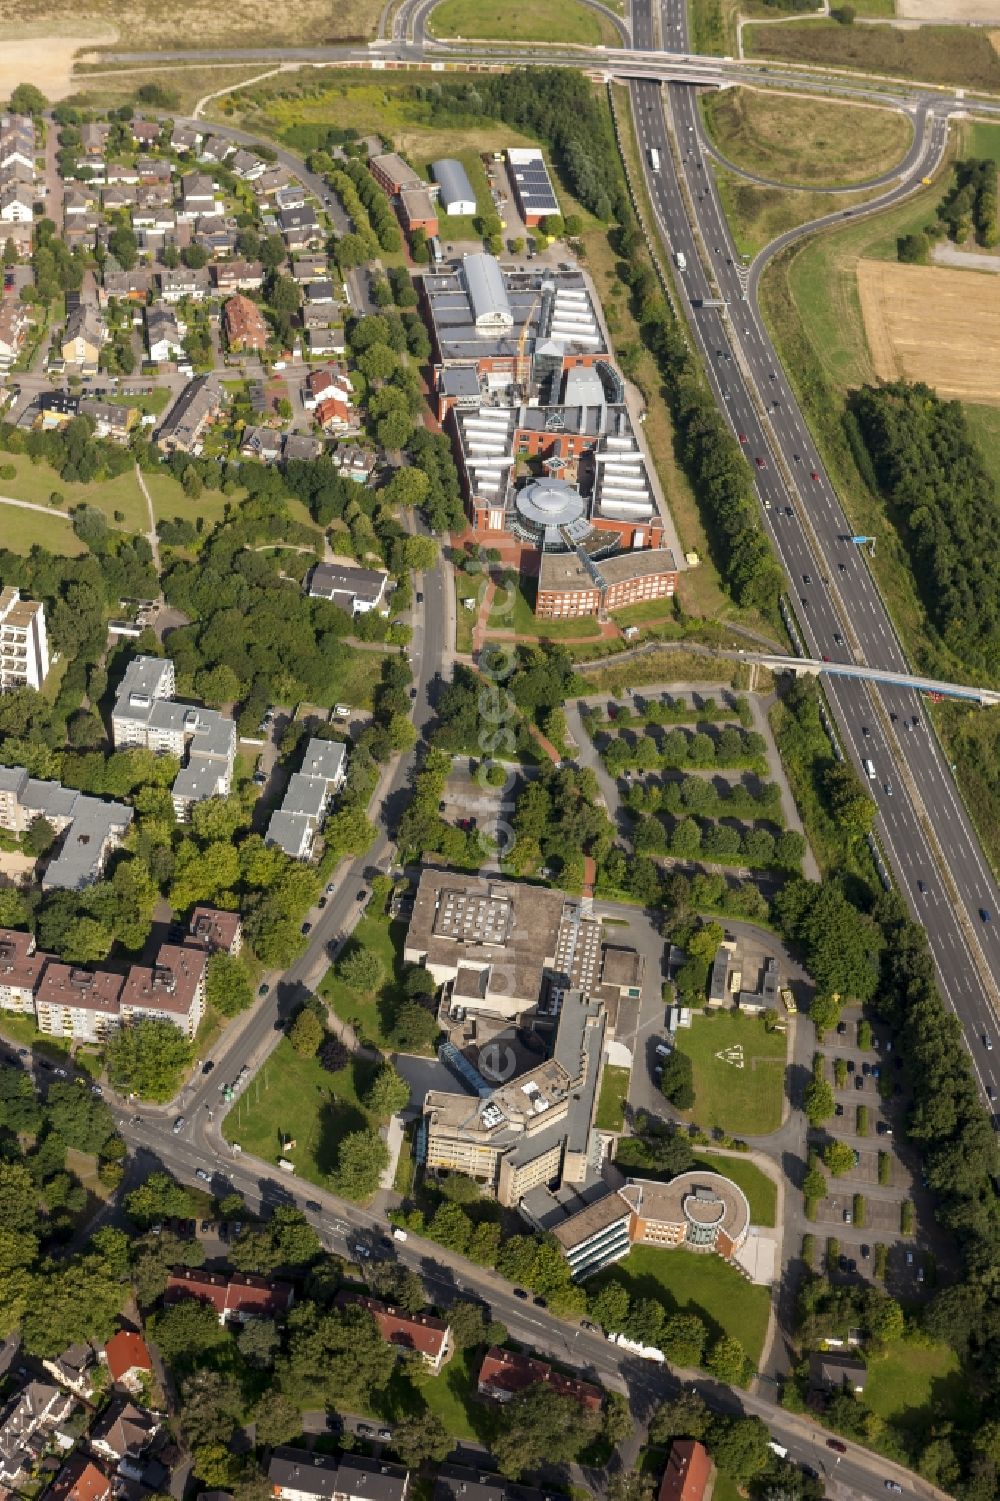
922 823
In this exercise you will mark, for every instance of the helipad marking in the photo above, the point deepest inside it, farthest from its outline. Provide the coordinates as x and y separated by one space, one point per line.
732 1055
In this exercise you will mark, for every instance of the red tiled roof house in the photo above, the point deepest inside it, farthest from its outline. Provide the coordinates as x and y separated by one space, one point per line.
503 1375
127 1358
688 1472
426 1336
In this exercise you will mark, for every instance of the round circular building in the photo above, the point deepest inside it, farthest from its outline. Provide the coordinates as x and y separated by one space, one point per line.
546 505
700 1210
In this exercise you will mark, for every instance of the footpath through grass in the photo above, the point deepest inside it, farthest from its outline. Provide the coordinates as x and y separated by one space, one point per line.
686 1282
294 1100
817 142
739 1072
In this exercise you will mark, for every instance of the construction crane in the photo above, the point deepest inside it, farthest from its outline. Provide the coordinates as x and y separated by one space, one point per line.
522 366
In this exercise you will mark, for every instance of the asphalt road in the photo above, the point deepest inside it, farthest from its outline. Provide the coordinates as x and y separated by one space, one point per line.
839 610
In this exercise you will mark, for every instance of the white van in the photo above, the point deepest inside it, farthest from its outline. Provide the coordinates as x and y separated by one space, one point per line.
398 1234
662 1051
869 771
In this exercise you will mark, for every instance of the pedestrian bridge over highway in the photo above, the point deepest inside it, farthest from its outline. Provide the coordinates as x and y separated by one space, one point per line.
930 686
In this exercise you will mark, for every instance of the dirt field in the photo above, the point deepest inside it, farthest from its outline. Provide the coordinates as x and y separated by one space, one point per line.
47 61
934 324
153 24
949 10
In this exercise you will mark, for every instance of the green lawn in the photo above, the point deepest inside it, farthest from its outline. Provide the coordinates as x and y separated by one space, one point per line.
761 1191
911 1379
517 613
687 1282
454 1398
23 530
742 1097
294 1099
36 482
526 20
21 1030
370 1014
354 678
614 1093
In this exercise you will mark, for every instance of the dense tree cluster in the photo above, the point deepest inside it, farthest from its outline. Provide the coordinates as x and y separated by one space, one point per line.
368 205
971 202
919 453
558 820
56 1296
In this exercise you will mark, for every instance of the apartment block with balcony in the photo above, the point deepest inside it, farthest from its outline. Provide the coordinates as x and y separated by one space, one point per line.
24 647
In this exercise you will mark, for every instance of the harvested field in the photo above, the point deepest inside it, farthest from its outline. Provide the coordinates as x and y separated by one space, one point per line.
154 24
933 324
976 11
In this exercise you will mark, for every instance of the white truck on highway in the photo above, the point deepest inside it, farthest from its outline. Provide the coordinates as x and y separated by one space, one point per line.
654 158
681 260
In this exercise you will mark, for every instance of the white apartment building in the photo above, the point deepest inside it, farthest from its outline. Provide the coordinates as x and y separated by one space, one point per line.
24 646
146 714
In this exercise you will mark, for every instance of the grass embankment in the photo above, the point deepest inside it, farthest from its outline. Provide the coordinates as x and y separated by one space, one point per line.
816 142
712 27
706 1285
294 1100
757 215
962 55
739 1073
523 21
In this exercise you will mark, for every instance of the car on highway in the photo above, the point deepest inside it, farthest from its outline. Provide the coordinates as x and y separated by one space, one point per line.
985 915
200 1172
841 567
991 1094
921 888
789 511
836 1446
759 461
888 789
807 578
742 437
814 474
987 1042
178 1125
838 638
